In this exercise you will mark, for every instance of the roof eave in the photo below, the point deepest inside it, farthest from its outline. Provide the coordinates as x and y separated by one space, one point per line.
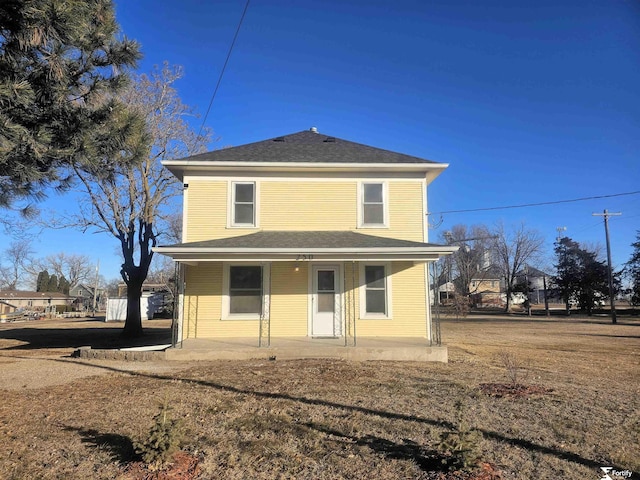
198 254
180 168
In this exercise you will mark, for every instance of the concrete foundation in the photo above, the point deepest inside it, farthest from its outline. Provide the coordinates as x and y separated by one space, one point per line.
378 348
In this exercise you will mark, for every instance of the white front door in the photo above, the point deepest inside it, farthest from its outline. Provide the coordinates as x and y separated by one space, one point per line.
325 317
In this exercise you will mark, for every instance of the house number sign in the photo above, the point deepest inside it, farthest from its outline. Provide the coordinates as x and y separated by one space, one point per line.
304 258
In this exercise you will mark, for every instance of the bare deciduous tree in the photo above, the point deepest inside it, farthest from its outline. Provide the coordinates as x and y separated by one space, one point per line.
129 199
75 268
472 259
512 250
14 263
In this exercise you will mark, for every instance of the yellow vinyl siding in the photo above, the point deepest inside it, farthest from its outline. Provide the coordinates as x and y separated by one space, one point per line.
207 211
203 297
405 212
289 299
297 205
303 205
408 306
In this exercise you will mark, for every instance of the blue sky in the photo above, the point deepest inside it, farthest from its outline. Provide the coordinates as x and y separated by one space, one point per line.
528 101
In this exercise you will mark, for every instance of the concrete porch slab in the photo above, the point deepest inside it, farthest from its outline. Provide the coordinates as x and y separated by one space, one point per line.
372 348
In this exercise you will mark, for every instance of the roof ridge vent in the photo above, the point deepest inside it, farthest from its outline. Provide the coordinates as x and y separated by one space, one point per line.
330 140
313 129
278 139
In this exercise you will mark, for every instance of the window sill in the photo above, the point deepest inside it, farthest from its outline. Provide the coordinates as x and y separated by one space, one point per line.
240 316
374 225
373 316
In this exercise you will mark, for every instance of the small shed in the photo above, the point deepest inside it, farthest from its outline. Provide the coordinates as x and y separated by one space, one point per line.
150 304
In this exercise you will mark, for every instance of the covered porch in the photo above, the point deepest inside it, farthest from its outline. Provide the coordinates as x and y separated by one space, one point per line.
257 295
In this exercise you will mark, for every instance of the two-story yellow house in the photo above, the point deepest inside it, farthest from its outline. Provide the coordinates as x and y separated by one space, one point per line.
305 235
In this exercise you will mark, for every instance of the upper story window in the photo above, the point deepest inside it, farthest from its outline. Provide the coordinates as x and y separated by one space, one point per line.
373 204
243 204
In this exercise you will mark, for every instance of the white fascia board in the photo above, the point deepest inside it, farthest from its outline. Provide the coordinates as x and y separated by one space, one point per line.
319 259
443 250
182 167
327 256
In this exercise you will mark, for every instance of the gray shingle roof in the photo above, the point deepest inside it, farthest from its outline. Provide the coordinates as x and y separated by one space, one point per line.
304 240
306 146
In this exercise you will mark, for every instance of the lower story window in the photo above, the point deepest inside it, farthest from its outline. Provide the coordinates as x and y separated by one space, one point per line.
375 299
245 289
375 289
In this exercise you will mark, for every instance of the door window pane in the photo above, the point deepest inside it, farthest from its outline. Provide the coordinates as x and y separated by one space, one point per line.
326 302
326 280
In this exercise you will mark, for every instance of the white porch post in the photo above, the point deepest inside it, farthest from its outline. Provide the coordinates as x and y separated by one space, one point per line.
427 299
179 304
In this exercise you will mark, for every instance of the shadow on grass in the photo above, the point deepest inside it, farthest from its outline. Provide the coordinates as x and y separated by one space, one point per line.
518 318
606 336
75 337
428 461
489 434
119 447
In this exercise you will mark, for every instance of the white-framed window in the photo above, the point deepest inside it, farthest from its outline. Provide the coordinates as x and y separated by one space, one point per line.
375 290
244 287
372 205
243 204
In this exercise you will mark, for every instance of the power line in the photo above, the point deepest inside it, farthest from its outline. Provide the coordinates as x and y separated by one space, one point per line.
535 204
246 7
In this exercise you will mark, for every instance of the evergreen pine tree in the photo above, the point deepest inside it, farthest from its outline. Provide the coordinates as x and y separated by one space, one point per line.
60 62
42 283
52 286
63 285
632 269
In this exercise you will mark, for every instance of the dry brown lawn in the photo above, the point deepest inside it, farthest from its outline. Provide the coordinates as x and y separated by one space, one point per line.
328 419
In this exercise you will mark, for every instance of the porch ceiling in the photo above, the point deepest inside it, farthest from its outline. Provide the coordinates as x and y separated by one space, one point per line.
306 246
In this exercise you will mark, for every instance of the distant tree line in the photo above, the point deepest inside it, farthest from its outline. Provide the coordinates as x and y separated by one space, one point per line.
579 275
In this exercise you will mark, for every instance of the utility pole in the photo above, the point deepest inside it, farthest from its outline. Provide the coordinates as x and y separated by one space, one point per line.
568 305
95 288
606 216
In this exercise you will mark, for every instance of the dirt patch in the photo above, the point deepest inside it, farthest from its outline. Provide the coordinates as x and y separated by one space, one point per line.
38 354
513 390
184 466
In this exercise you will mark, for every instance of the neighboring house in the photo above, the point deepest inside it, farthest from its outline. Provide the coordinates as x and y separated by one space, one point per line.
304 235
41 301
446 292
6 307
83 297
486 287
